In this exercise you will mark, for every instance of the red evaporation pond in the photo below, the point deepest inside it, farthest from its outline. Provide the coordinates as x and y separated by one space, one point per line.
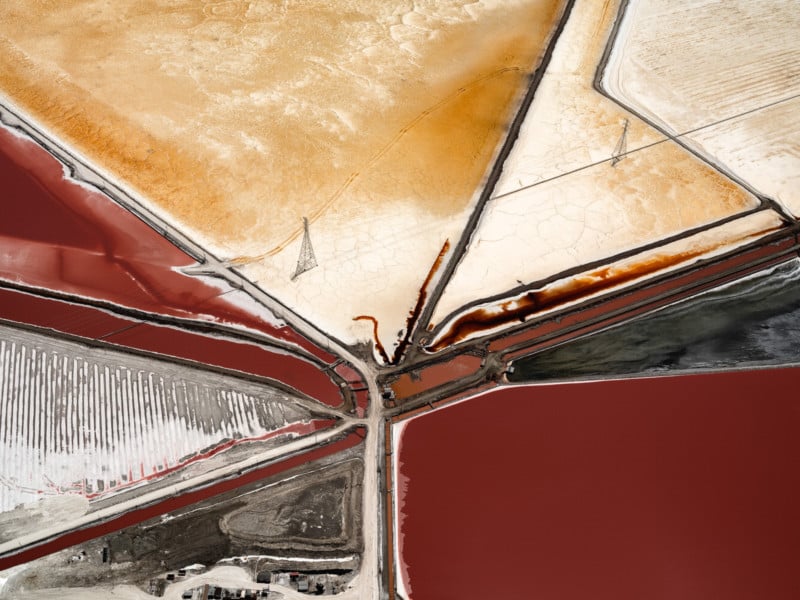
58 235
664 488
91 322
288 369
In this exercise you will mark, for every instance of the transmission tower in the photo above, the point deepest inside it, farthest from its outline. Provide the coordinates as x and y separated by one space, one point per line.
306 261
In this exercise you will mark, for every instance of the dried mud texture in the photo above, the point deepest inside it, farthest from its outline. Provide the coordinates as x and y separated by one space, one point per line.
322 515
237 119
562 202
728 73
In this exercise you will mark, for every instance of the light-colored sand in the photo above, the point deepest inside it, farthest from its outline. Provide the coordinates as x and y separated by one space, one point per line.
561 202
688 66
234 120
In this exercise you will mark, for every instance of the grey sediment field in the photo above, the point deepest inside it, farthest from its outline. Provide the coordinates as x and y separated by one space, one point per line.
749 323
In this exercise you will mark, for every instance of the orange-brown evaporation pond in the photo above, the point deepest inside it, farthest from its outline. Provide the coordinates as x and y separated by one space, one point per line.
239 127
662 488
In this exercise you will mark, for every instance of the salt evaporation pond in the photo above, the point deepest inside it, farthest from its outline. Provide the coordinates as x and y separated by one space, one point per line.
681 487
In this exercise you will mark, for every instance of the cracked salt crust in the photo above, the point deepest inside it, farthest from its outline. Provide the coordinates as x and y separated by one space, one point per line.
375 274
561 203
234 120
688 67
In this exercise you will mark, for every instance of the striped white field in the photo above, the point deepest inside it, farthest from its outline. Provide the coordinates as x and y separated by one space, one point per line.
81 420
725 76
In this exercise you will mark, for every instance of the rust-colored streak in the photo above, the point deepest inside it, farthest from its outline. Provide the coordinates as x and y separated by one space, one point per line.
654 295
582 286
413 315
378 346
645 304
